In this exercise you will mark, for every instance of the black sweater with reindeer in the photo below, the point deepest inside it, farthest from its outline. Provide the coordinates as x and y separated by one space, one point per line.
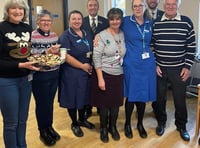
15 47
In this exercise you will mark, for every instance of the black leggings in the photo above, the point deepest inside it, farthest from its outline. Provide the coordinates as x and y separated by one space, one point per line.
108 117
73 115
129 106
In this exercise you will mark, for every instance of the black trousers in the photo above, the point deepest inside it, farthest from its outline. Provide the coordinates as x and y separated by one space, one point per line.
44 86
178 86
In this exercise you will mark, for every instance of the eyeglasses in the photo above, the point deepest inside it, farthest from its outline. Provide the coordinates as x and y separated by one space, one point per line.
138 6
46 21
171 5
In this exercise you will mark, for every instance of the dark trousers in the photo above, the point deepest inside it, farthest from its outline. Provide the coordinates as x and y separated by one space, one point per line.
44 90
108 117
178 91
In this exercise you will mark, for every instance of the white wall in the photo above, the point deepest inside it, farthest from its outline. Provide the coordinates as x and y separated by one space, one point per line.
1 9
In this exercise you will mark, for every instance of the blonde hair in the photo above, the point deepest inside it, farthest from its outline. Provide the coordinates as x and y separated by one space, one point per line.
20 3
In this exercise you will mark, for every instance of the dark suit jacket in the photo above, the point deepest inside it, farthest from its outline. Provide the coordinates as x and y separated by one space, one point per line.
102 24
158 15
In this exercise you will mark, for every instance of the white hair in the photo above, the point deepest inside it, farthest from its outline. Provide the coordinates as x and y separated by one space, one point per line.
178 2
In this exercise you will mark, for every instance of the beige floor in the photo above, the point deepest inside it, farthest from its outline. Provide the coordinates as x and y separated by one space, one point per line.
170 139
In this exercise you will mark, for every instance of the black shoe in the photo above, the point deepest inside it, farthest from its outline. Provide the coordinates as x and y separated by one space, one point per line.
46 138
114 133
128 131
184 134
199 141
87 113
53 133
98 110
104 135
141 130
77 130
160 129
86 124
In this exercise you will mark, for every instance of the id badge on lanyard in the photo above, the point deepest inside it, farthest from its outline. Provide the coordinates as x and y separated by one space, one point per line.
145 55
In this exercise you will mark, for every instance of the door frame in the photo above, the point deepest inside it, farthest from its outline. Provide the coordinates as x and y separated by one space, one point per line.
65 13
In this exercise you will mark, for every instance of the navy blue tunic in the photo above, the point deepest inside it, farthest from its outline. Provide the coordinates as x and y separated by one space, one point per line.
73 82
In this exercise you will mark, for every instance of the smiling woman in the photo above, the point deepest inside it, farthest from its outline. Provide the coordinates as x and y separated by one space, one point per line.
74 73
45 81
15 72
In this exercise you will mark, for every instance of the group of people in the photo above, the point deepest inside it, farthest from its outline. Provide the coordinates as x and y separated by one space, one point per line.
108 59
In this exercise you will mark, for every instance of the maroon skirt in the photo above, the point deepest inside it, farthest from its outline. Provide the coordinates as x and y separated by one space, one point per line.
112 96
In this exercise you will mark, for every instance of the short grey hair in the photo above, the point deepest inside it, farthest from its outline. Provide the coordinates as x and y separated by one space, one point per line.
42 13
178 2
20 3
93 0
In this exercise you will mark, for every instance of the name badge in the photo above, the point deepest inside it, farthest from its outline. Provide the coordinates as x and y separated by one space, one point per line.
89 54
145 55
121 61
30 77
117 57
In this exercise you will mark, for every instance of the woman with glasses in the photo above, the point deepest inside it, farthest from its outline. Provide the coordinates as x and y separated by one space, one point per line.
139 66
45 81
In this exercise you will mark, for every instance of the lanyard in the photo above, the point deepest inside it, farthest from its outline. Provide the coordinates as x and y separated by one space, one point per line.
143 34
85 41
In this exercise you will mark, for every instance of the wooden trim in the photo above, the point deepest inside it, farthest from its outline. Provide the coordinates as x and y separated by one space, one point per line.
65 13
30 13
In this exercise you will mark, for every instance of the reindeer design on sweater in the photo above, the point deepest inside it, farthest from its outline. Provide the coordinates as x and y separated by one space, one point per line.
22 44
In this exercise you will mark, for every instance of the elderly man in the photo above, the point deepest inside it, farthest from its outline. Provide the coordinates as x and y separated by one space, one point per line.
174 43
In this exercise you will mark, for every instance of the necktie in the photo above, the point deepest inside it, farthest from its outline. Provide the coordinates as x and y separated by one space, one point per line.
153 15
93 26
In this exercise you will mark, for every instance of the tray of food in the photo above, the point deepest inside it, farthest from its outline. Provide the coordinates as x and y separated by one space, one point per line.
46 60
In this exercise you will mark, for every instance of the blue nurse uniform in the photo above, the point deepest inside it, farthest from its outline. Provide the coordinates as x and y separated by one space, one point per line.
73 82
139 62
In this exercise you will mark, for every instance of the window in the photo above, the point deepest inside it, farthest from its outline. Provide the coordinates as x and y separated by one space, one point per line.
119 4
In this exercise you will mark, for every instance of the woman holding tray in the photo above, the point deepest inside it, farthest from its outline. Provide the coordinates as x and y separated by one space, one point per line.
45 81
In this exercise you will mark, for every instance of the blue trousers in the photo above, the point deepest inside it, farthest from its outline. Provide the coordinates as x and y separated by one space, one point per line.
15 94
44 89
